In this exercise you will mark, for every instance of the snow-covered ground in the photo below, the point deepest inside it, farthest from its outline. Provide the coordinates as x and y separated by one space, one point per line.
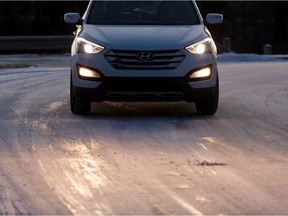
234 57
144 158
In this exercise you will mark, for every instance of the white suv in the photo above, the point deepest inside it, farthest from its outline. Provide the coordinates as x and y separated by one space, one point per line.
143 51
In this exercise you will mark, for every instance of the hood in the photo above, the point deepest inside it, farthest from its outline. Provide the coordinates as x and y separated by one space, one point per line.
144 37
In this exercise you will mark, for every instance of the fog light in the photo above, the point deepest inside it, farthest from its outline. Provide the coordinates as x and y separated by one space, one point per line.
85 72
202 73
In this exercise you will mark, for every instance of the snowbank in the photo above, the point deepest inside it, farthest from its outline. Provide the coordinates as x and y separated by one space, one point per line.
234 57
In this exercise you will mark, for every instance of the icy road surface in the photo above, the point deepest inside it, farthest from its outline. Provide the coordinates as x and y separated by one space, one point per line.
143 158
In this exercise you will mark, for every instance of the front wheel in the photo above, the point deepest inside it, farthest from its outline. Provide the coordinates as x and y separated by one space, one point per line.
77 106
209 106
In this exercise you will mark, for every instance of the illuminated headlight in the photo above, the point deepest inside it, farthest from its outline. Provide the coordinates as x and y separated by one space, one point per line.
87 73
86 46
203 46
201 73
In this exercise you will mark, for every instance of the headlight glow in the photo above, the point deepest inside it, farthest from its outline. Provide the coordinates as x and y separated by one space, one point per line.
88 73
201 73
86 46
203 46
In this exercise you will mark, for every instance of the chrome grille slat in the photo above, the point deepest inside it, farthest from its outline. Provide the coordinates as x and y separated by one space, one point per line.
162 60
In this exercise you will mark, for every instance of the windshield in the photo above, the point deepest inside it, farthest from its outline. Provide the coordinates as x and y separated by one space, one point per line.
155 12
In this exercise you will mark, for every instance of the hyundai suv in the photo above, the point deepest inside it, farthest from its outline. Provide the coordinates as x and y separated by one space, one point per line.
139 51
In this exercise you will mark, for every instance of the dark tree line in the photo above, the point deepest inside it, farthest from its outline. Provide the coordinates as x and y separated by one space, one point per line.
250 25
36 17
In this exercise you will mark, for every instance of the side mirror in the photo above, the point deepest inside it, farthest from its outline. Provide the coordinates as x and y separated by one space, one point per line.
214 18
72 18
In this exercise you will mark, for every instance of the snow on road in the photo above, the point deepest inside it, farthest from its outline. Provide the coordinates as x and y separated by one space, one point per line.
144 158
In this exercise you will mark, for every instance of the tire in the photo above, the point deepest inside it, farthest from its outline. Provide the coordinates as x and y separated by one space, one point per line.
77 106
210 106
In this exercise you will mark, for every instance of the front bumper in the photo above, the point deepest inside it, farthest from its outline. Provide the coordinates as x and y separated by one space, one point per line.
143 89
143 85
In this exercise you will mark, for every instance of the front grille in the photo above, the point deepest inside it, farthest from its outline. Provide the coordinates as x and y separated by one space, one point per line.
145 60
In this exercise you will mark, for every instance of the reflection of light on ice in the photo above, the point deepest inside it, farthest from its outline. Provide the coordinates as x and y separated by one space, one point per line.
207 143
81 182
209 139
204 141
186 205
55 105
203 146
202 199
85 165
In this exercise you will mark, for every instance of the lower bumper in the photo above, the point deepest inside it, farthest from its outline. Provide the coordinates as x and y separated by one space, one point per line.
143 89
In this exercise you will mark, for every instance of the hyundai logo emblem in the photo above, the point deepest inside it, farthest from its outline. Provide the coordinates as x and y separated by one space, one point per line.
145 56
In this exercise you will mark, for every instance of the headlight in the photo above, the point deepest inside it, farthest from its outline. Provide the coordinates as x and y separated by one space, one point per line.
202 73
203 46
86 46
88 73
